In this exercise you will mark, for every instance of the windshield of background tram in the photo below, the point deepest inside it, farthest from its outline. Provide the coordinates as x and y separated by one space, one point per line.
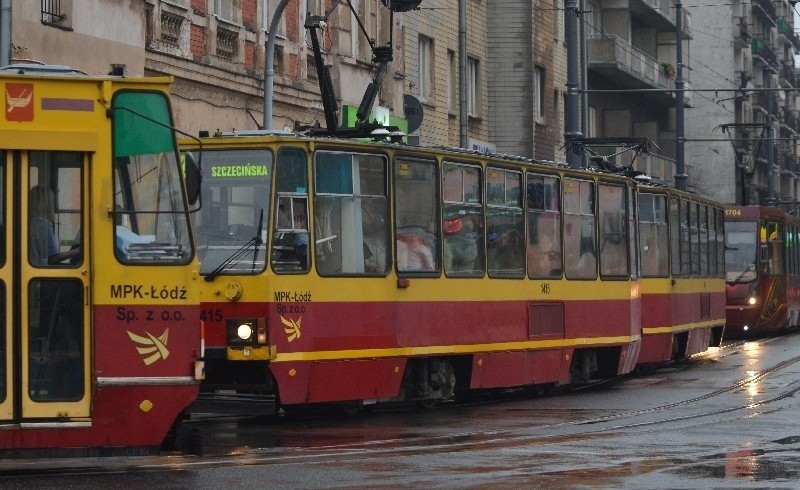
235 196
740 250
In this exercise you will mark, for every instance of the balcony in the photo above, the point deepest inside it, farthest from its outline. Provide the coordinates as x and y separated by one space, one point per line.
628 67
765 9
790 121
659 14
761 49
660 168
741 34
788 77
760 101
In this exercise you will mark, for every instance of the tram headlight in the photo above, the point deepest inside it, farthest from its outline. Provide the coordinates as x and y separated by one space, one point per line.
241 332
752 300
247 331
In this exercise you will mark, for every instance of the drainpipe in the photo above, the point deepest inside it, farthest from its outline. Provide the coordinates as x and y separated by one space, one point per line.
768 72
584 78
680 164
463 121
572 124
5 32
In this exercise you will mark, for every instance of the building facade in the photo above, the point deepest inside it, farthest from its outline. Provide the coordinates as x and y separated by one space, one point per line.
631 57
87 38
509 55
748 45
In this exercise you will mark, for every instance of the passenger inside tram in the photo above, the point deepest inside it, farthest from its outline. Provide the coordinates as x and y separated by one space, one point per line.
43 244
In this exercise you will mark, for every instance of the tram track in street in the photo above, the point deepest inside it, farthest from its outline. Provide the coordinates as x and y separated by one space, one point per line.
599 427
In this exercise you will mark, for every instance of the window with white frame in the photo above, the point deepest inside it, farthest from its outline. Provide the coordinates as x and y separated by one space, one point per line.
224 9
538 94
268 11
452 102
425 67
473 87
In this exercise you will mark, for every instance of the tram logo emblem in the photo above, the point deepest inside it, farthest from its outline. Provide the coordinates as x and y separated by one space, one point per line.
151 348
18 102
292 328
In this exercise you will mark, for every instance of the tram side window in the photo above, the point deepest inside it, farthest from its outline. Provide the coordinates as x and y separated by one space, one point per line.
612 206
721 237
148 191
351 212
791 249
4 351
712 241
416 216
54 209
3 219
702 224
580 258
463 220
633 235
772 248
694 239
544 227
676 233
55 340
291 230
505 229
653 235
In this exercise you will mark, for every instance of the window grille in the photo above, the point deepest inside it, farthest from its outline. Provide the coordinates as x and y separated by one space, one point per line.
227 42
52 12
171 27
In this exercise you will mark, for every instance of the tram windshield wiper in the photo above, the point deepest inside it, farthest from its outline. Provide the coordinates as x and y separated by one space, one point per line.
240 253
745 271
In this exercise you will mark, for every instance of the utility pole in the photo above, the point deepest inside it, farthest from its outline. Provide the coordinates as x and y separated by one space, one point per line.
572 124
269 62
680 165
584 78
463 121
768 72
5 32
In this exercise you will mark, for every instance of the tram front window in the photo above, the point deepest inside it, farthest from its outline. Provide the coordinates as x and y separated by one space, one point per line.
231 225
149 204
740 251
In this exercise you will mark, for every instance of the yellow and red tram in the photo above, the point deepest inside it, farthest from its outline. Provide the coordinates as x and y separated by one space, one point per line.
681 248
99 331
345 271
762 261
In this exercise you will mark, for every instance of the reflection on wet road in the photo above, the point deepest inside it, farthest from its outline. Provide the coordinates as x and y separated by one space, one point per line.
724 419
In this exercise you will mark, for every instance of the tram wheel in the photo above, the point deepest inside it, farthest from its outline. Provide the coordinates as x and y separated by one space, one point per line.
351 408
428 403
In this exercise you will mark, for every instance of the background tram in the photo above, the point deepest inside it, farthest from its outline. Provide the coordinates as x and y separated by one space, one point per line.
349 272
682 268
762 262
99 319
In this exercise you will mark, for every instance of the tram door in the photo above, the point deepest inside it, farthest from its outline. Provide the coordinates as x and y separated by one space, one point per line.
45 338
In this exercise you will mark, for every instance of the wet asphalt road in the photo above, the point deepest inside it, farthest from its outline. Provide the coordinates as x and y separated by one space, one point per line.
728 419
